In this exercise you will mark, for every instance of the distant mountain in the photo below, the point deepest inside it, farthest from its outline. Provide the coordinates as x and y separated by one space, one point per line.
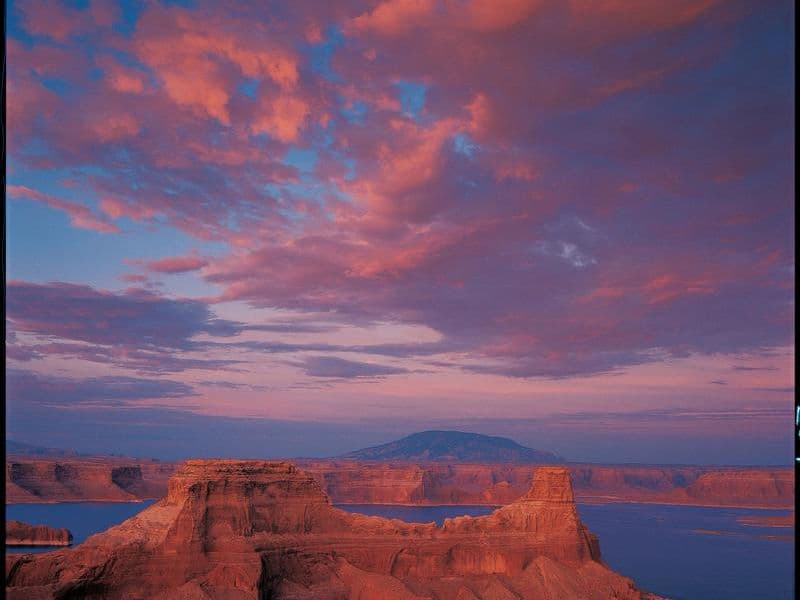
24 449
456 447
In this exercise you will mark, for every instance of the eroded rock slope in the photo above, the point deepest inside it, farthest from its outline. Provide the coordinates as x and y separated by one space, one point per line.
236 530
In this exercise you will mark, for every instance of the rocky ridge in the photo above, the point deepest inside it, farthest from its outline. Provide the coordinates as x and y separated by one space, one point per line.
235 530
110 479
89 479
356 482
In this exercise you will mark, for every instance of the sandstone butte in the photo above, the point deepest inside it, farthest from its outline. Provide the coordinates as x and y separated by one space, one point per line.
236 530
357 482
23 534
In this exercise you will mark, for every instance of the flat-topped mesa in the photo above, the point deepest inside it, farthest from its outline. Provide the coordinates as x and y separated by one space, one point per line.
224 498
245 479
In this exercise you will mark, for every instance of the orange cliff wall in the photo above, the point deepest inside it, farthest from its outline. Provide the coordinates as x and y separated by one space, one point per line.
105 479
397 483
257 529
349 482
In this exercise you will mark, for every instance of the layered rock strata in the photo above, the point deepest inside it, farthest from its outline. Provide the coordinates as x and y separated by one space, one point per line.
235 530
348 482
23 534
100 479
355 482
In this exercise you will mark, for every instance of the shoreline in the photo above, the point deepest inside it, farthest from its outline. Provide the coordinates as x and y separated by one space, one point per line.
35 544
578 500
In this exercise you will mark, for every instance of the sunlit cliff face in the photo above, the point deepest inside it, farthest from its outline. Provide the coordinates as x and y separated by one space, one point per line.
569 222
249 529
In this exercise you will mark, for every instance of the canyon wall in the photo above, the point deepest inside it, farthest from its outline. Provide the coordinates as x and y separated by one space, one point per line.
352 482
98 479
247 530
398 483
23 534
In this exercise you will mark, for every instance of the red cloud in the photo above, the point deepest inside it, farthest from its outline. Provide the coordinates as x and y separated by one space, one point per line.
397 17
121 78
394 17
187 53
176 264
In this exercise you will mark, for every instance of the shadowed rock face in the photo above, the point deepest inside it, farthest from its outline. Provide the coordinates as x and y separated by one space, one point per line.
252 530
23 534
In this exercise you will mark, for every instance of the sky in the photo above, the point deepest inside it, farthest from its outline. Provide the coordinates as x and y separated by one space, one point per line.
296 229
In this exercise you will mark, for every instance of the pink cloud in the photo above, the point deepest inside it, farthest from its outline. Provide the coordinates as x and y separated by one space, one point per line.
117 209
394 17
490 15
283 118
53 20
115 127
121 78
550 210
104 12
80 216
176 264
186 52
397 17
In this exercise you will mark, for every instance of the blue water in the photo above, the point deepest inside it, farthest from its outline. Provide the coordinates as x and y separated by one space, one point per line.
418 514
81 518
660 548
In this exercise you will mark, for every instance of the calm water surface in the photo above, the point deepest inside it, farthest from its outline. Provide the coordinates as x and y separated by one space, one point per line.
665 549
81 518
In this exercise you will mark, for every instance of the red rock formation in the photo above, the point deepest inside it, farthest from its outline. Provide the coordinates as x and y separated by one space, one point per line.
761 487
23 534
349 482
250 529
100 479
397 483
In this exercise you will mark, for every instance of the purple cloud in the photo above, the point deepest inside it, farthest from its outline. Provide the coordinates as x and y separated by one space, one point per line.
30 388
135 317
339 368
135 328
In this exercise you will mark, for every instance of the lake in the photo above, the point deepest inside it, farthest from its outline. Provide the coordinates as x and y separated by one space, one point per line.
81 518
681 552
661 547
